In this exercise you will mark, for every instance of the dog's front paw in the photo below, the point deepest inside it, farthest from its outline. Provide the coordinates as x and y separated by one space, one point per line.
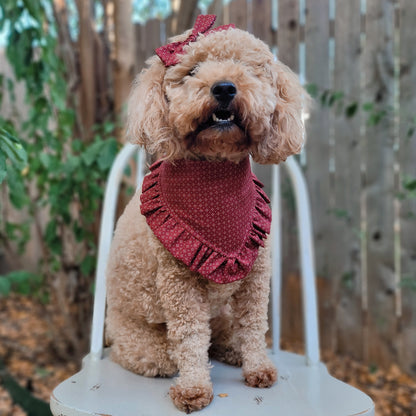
261 377
193 398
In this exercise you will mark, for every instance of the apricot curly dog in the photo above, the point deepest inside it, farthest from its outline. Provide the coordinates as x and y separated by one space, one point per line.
189 270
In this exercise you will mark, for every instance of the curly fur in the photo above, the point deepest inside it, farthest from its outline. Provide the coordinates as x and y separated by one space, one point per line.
162 318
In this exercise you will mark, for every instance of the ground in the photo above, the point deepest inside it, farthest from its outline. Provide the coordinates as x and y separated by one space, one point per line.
25 349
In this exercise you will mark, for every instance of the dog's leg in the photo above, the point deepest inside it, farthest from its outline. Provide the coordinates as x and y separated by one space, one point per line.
184 299
142 348
250 312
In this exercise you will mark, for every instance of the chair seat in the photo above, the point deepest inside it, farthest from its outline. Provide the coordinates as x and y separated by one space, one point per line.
104 388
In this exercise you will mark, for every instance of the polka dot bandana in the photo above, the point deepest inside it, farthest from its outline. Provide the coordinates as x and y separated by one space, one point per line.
170 54
212 216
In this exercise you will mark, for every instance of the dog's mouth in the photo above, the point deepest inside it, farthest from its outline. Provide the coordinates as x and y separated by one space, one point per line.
222 119
222 135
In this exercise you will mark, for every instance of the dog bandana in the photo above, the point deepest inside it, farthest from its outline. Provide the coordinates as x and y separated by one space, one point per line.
170 54
212 216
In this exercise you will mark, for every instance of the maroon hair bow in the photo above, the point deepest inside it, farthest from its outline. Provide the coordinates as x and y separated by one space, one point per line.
170 54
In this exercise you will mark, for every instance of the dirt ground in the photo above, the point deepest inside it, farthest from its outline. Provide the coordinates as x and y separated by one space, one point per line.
25 349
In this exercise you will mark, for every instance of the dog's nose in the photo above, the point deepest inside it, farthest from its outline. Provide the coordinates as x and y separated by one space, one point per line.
224 92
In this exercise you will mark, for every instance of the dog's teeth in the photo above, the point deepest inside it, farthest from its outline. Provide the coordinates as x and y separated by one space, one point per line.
219 120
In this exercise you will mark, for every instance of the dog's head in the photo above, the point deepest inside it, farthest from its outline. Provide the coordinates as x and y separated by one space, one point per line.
227 97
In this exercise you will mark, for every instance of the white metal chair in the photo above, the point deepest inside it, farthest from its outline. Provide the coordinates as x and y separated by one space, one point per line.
304 387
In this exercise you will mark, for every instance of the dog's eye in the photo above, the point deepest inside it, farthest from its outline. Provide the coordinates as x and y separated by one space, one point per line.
193 71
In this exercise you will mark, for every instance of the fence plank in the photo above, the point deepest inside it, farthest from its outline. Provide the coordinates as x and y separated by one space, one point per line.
217 8
379 186
318 153
262 20
344 263
147 40
184 18
288 53
238 13
288 33
408 172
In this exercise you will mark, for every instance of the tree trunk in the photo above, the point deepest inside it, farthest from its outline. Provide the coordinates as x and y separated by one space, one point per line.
87 67
124 52
183 17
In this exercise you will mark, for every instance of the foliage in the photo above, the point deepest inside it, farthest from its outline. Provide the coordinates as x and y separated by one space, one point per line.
409 184
408 282
347 106
22 282
374 114
32 405
48 169
13 161
13 151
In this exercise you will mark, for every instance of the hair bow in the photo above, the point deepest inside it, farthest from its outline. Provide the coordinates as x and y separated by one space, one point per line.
170 54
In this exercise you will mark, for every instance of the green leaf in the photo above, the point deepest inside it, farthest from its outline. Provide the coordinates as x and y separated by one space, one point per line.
79 232
19 233
334 97
23 397
127 171
376 117
351 110
40 105
17 191
91 153
88 265
324 98
312 90
5 286
3 174
52 239
340 213
3 168
107 155
33 8
368 107
21 281
45 160
11 147
130 190
10 90
347 280
77 145
408 282
71 164
109 127
409 184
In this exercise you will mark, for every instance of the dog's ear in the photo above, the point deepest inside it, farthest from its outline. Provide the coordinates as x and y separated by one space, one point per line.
147 109
287 128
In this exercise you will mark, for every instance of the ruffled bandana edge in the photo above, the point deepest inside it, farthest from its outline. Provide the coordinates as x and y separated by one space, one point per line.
188 245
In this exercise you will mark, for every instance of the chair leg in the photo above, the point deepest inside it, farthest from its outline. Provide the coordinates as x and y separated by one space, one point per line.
310 308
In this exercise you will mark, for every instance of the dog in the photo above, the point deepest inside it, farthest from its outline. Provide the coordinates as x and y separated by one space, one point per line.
189 269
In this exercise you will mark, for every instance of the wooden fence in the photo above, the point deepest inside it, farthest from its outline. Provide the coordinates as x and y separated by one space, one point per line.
359 59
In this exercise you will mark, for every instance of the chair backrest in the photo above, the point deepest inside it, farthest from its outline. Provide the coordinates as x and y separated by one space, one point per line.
305 248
